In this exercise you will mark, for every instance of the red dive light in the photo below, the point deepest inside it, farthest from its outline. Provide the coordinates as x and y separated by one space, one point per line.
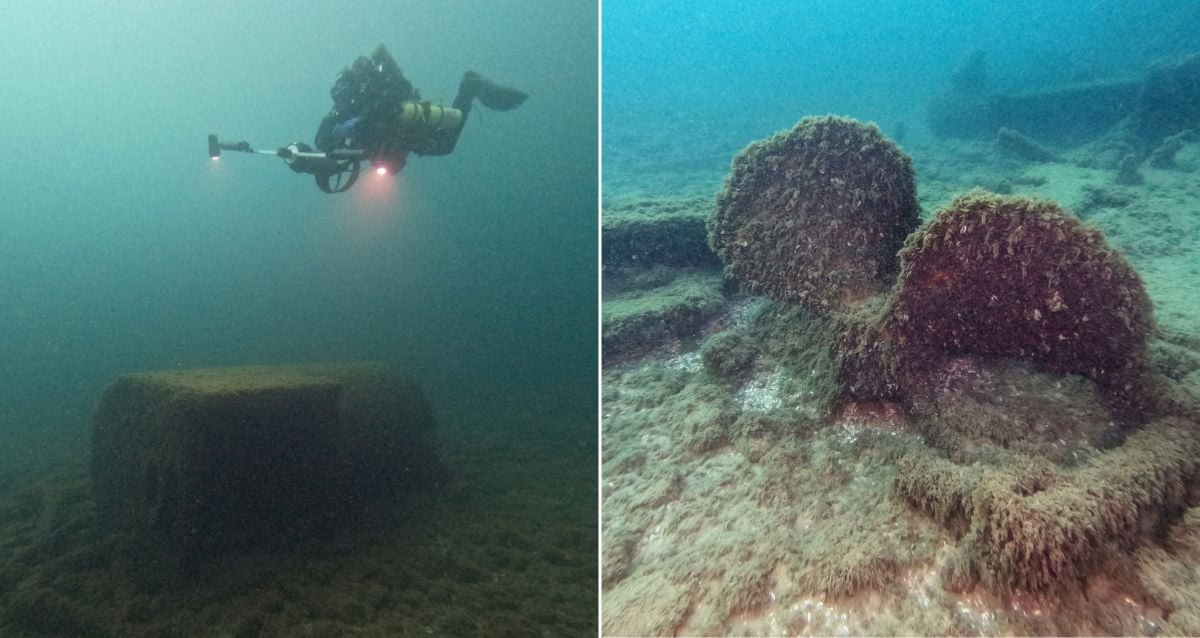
388 163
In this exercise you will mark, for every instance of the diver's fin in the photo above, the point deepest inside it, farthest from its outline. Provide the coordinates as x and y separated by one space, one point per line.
496 97
501 98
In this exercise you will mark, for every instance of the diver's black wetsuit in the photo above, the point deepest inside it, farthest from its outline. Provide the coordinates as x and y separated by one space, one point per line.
377 110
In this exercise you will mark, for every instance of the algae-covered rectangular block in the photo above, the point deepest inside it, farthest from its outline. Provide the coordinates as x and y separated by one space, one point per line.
195 461
645 232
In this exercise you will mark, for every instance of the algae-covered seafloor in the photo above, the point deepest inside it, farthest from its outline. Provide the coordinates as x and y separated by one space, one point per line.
983 433
500 551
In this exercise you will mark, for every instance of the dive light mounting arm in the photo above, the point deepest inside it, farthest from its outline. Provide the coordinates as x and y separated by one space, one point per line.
335 171
292 151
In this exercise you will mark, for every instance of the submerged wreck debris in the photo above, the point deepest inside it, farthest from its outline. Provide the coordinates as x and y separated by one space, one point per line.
1169 100
976 413
1063 116
992 368
1142 111
1023 147
1164 155
1127 171
815 216
1009 279
971 77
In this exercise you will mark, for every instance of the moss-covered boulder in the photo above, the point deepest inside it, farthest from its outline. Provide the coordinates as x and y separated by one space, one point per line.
816 215
1019 278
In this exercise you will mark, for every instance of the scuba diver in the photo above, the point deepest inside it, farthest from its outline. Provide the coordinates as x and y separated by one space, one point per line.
378 116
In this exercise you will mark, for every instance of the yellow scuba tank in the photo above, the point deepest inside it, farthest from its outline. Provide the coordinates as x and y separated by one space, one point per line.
417 117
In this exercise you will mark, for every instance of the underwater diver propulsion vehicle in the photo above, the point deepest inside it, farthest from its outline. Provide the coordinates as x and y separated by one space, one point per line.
379 117
337 168
335 171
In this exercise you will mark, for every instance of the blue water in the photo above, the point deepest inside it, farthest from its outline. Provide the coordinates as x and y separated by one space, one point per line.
125 248
760 67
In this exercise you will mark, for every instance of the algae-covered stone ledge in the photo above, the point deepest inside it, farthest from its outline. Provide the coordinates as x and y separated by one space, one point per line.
191 462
